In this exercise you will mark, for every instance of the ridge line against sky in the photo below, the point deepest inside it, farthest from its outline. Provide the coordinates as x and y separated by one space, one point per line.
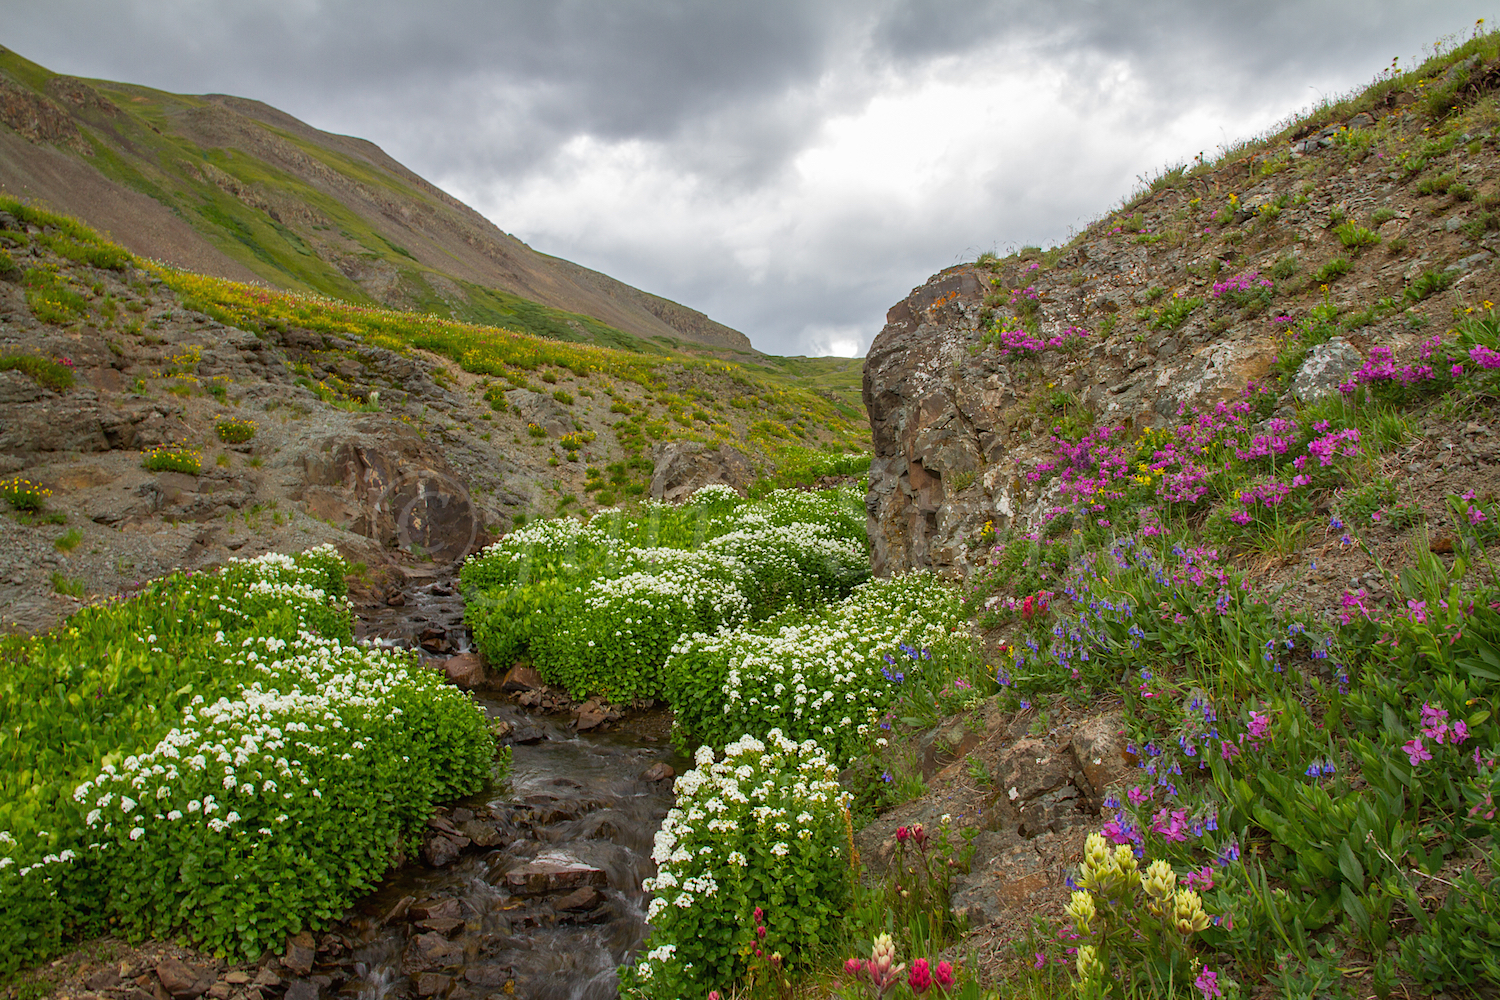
791 169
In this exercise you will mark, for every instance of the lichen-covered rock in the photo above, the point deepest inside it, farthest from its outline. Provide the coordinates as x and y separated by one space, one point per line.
1326 367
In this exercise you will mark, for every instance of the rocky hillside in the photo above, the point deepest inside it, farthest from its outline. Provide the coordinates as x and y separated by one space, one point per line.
235 188
1372 223
152 419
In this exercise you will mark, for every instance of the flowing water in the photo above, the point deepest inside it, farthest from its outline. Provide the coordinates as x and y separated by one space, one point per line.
554 904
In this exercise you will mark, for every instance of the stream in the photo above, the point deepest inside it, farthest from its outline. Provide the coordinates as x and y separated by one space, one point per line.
531 888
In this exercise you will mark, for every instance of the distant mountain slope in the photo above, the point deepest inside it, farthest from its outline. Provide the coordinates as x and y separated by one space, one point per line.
237 188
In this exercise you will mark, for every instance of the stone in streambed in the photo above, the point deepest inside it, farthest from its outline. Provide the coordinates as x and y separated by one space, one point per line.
488 975
427 951
521 678
441 850
433 984
302 989
585 898
465 671
442 925
437 909
553 872
482 833
660 771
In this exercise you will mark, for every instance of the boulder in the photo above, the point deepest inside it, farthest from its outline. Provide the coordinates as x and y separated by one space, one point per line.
433 984
442 849
1325 368
660 771
390 486
1039 788
183 981
585 898
429 951
591 717
957 424
682 467
521 678
1099 750
553 872
465 671
544 411
482 832
300 953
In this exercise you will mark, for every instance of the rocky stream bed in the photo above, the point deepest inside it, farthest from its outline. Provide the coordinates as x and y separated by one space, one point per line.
531 888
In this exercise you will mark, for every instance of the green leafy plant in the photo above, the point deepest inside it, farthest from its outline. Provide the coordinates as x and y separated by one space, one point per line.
1332 270
235 430
51 299
23 494
50 374
173 458
1355 237
1429 283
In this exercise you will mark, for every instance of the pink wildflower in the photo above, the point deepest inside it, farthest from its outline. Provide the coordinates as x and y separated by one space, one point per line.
1416 752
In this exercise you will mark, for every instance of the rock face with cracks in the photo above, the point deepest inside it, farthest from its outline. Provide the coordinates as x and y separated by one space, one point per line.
1173 302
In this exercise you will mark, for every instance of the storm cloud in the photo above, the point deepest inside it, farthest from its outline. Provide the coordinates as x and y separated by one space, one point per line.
790 168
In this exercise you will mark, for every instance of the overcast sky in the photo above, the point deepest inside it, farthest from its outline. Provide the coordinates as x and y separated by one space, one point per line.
792 169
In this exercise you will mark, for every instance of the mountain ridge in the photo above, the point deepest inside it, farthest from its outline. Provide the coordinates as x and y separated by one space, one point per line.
249 192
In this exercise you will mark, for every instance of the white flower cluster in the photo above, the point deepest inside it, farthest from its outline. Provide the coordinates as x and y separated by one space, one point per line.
244 763
732 830
824 675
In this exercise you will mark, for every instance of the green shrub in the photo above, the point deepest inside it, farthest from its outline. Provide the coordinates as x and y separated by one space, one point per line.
173 458
1437 184
49 374
1355 237
274 820
23 494
766 826
235 430
599 605
1333 270
51 300
115 808
1429 283
94 252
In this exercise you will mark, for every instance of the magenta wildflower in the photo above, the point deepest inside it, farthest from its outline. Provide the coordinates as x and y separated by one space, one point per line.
1416 752
1208 983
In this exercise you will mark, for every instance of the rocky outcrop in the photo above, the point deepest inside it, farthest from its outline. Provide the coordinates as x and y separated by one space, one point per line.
391 487
39 120
1174 302
681 467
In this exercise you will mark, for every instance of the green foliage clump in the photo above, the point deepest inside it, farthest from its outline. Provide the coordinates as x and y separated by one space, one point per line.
23 494
1332 270
119 802
173 458
51 299
1355 237
235 430
599 605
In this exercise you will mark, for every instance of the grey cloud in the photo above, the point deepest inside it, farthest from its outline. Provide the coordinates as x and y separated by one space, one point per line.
486 96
